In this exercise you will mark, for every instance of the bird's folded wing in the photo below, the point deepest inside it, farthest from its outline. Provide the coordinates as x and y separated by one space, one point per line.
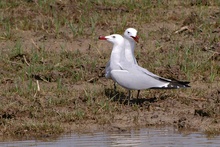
138 69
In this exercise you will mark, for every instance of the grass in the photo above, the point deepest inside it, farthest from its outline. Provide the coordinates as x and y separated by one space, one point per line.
52 63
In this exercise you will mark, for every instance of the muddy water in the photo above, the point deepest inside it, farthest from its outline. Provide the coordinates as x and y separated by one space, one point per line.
146 137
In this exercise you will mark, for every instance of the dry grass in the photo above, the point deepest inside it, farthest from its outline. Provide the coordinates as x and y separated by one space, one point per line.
51 64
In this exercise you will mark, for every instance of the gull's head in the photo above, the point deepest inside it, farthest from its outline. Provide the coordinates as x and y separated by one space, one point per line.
114 39
131 34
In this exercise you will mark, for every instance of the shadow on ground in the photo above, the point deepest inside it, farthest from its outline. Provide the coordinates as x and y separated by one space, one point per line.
120 97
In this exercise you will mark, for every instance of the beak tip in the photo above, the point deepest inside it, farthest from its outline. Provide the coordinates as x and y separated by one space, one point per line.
102 38
136 38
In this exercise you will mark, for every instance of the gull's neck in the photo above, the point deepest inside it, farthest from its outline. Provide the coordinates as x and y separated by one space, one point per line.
117 55
129 50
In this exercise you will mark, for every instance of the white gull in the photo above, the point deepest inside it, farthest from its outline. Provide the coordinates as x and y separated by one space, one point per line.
130 75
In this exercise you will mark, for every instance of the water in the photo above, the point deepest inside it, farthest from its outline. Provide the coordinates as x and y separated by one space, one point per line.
145 137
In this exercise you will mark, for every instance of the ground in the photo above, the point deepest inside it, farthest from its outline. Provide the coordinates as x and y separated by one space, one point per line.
52 66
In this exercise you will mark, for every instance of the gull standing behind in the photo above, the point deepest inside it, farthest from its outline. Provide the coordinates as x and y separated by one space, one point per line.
131 76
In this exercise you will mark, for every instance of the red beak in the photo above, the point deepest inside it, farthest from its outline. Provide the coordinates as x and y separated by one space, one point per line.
102 38
135 38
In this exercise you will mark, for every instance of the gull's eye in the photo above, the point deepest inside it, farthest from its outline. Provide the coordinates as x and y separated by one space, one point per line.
113 36
128 32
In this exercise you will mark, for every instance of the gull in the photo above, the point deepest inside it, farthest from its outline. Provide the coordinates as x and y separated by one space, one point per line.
132 76
130 36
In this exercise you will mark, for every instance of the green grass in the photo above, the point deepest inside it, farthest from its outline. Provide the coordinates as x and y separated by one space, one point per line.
53 45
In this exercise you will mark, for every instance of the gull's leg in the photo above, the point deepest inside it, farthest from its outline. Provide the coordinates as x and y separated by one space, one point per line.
129 96
138 94
115 87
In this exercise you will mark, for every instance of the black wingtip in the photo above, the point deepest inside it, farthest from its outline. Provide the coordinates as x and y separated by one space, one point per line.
175 84
178 84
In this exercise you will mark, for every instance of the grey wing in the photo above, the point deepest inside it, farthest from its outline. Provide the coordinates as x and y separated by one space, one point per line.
135 81
127 66
144 79
131 78
152 74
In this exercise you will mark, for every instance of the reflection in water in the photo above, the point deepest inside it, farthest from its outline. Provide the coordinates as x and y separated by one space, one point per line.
147 137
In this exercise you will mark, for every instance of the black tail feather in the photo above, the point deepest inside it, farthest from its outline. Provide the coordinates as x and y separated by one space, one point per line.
174 84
